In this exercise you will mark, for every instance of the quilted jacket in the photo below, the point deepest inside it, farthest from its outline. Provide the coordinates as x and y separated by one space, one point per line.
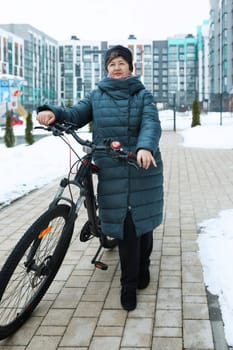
122 109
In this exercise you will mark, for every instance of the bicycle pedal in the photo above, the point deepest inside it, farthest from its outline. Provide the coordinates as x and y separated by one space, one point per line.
100 265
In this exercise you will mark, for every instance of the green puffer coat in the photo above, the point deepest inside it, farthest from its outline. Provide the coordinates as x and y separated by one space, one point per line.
122 109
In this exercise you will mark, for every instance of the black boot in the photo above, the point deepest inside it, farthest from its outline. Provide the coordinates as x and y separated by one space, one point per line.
144 279
128 298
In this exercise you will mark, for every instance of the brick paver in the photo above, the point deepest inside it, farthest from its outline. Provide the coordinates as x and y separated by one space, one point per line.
82 310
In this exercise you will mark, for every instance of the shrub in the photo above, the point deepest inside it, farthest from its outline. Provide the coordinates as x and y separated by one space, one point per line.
195 113
9 137
28 130
69 103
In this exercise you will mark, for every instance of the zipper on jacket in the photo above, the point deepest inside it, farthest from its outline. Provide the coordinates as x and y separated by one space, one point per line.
128 203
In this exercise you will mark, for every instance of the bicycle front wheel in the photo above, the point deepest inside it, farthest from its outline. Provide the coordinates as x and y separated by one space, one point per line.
32 265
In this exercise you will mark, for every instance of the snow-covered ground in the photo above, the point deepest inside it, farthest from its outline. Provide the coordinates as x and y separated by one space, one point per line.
24 168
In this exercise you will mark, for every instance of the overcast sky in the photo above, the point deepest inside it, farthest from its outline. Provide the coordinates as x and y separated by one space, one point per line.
107 19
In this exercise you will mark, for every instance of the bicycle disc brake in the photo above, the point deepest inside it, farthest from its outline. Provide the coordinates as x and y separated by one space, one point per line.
39 271
85 233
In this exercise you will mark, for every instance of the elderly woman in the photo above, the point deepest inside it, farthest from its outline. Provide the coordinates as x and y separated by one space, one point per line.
130 200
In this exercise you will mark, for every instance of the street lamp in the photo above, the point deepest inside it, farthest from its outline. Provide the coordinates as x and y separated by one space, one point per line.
174 111
220 108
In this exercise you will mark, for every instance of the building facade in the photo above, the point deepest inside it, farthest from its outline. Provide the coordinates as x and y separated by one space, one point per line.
182 70
80 67
175 70
160 72
40 57
203 64
11 70
221 54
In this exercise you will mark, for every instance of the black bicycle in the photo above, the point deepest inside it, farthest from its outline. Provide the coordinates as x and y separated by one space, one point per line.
33 263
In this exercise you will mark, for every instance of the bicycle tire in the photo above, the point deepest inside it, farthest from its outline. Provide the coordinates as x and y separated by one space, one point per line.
32 265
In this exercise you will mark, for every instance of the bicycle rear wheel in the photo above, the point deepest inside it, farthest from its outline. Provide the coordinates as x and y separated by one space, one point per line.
32 265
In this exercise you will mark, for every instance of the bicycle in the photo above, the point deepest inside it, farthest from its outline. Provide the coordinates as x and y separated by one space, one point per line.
34 262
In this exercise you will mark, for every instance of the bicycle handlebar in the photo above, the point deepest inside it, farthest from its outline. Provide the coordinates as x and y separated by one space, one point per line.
58 129
113 146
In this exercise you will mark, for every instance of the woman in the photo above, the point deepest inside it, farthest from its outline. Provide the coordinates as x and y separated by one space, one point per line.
130 200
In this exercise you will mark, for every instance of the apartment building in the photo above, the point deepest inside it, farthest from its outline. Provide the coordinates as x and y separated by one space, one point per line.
160 72
11 54
80 68
221 54
182 70
81 65
203 64
11 69
64 72
40 57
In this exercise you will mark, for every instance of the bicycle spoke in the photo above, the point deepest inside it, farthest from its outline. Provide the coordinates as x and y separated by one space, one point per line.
17 294
32 265
14 298
24 284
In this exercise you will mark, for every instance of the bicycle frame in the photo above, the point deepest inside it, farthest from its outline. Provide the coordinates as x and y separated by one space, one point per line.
84 180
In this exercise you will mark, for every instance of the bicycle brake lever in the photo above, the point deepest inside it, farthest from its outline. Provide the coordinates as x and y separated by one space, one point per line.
55 130
51 128
40 127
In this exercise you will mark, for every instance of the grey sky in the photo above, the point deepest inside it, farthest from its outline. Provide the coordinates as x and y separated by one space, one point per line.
108 19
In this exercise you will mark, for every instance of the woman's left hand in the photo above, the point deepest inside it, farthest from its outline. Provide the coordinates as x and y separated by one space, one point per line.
145 159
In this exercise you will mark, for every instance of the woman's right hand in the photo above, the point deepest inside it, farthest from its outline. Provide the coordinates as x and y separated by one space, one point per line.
46 117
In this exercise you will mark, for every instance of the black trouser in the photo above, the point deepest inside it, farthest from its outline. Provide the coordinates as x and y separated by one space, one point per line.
134 253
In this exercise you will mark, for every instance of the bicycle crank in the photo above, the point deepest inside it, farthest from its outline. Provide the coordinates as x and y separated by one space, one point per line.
99 264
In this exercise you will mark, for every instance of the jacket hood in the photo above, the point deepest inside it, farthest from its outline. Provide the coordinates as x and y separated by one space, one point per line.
121 88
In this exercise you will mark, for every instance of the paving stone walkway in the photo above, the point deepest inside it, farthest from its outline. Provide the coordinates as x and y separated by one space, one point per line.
82 310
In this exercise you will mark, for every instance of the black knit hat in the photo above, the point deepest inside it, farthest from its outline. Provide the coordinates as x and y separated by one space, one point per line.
117 51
